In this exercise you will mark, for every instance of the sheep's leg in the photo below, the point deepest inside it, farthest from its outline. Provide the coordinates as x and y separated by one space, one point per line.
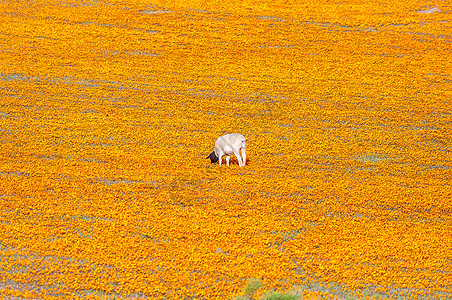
220 156
243 155
237 154
227 160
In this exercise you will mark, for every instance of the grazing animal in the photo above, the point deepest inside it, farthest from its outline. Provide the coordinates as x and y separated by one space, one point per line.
227 145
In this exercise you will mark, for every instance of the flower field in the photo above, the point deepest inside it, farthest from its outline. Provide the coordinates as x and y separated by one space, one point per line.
109 108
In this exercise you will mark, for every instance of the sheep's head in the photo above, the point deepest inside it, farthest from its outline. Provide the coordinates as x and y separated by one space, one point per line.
213 157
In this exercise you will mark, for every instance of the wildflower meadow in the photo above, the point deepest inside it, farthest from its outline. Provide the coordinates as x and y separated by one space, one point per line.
109 108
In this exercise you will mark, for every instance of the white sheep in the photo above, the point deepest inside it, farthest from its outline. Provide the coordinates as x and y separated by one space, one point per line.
227 145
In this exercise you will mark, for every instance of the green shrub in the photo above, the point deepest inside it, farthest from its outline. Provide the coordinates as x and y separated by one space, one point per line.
255 284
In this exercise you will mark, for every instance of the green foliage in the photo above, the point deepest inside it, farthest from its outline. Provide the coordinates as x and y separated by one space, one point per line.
254 285
250 289
280 296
